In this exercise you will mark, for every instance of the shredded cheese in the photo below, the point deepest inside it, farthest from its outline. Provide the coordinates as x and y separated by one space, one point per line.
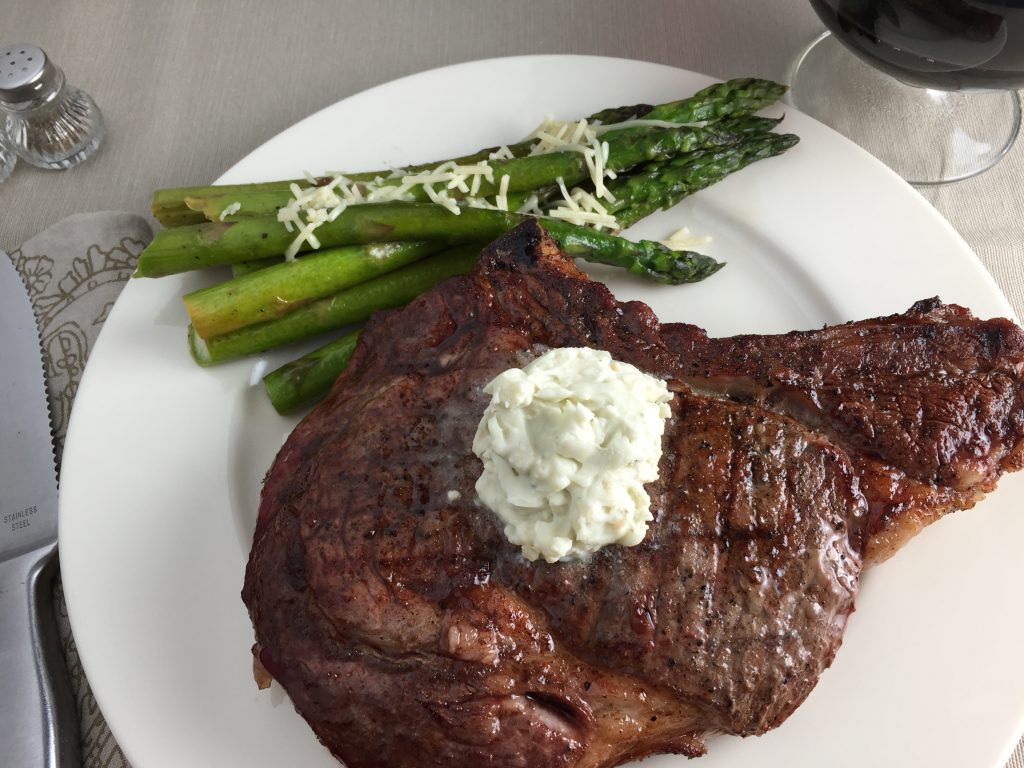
531 206
583 209
230 210
560 136
683 240
501 200
639 122
501 153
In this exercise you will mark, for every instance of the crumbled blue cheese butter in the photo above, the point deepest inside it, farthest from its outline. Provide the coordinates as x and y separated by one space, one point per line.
567 444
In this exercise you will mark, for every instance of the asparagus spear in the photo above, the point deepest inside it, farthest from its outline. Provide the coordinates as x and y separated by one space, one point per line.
741 96
170 206
213 244
604 117
644 258
283 288
626 149
306 380
243 268
352 305
662 186
734 97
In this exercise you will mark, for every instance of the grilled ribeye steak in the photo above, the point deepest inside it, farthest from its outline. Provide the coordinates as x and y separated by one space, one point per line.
409 632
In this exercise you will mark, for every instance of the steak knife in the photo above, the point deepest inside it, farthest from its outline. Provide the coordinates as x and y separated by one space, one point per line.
38 720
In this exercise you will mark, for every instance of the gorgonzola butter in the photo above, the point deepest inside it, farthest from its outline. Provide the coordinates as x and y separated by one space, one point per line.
567 444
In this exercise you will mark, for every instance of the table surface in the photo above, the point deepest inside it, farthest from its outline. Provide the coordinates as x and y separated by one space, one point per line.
189 87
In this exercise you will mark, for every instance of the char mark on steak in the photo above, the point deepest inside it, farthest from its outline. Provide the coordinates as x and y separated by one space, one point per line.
409 632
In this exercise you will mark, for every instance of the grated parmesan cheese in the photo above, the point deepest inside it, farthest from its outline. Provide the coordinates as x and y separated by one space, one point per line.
683 240
581 137
501 199
639 122
230 210
583 209
531 206
501 153
441 198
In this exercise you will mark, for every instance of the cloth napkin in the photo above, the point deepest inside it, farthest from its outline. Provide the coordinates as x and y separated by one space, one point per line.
74 272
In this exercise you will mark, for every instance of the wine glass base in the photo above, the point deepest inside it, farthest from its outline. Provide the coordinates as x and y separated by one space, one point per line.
927 136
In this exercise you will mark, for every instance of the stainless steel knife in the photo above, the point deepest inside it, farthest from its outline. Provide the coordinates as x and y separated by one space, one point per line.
38 720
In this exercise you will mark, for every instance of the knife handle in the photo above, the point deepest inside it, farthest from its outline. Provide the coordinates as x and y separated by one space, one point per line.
38 718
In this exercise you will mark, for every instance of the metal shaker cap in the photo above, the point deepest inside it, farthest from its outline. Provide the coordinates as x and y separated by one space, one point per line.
25 72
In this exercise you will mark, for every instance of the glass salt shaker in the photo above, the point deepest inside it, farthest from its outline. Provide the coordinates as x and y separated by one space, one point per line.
7 160
43 119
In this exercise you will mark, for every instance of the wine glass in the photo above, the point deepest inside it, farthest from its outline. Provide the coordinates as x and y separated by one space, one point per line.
924 85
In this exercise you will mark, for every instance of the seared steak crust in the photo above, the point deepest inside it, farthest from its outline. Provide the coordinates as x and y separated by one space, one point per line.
409 632
929 404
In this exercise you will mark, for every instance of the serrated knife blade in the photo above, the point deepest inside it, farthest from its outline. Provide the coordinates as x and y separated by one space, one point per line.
28 475
38 724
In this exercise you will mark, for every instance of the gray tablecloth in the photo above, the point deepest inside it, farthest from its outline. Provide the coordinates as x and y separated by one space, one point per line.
189 87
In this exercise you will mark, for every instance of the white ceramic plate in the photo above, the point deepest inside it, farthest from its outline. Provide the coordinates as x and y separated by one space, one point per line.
163 459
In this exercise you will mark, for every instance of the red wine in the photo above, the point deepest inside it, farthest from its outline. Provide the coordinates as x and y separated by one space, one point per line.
945 44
